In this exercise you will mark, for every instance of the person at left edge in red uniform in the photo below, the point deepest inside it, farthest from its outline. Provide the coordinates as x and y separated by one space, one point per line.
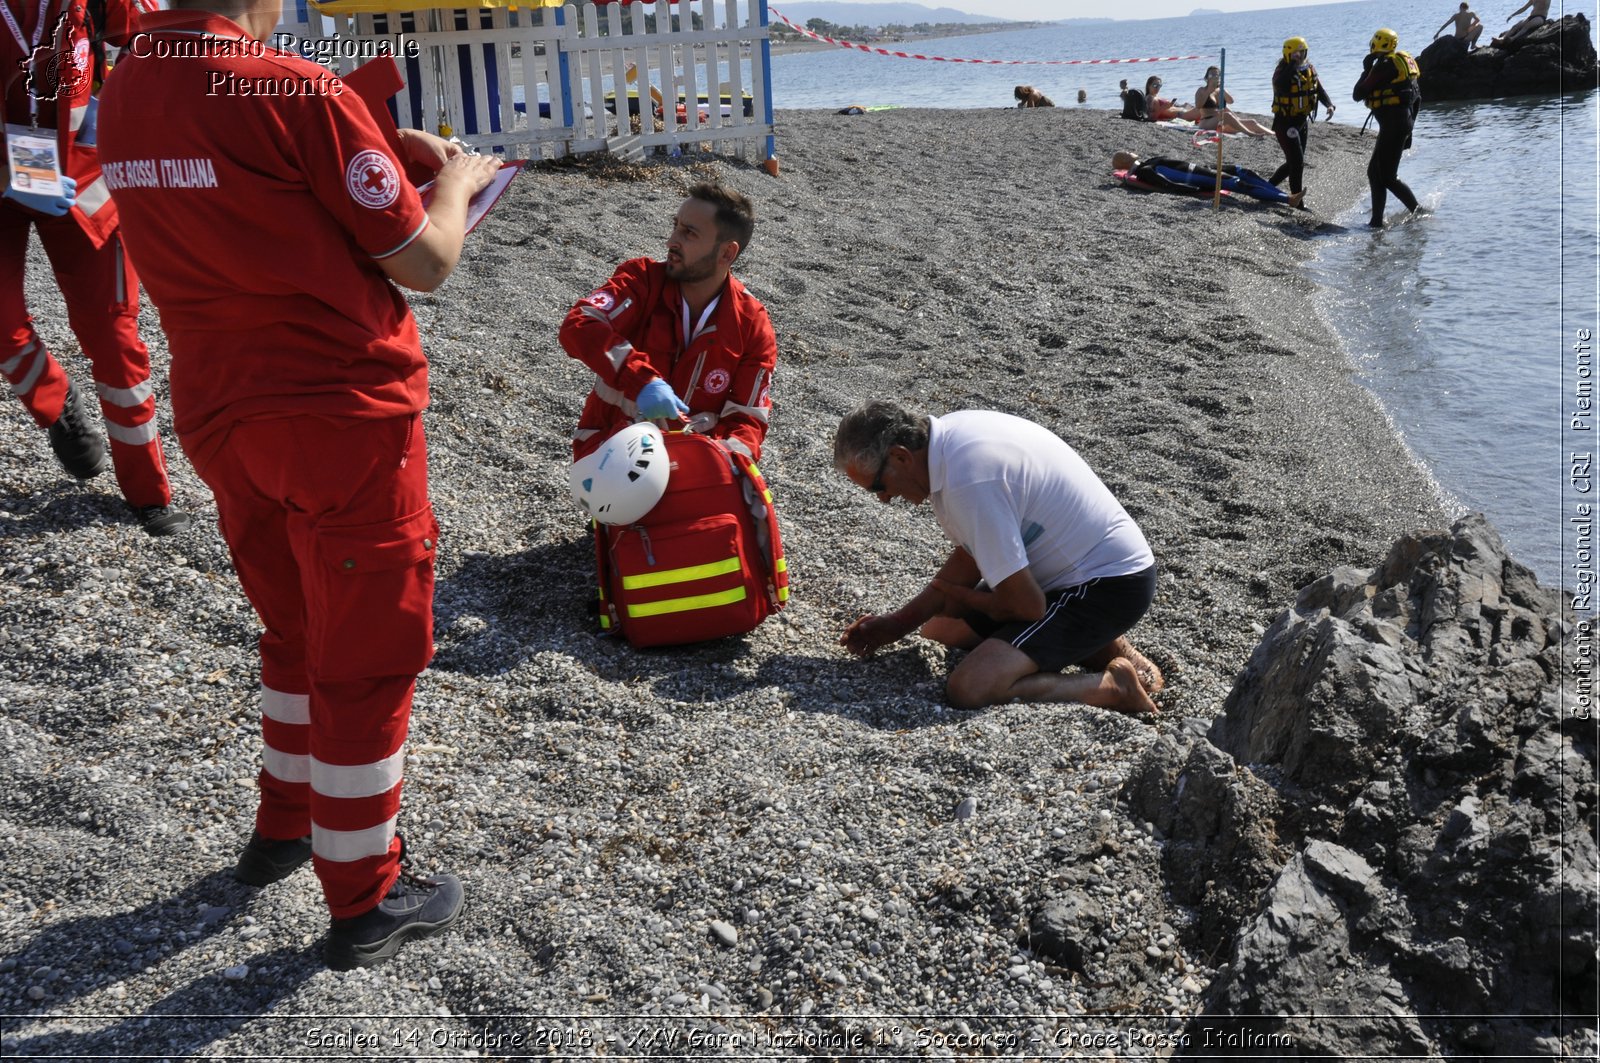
271 227
679 341
48 51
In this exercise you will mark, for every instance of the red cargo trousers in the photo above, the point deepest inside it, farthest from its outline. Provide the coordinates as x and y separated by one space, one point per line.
333 538
102 296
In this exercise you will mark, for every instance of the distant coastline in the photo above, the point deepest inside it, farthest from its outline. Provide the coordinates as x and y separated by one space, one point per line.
787 44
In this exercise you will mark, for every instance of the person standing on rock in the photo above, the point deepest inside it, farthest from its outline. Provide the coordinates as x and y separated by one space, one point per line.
50 51
1389 87
268 227
1048 569
1296 89
679 341
1467 27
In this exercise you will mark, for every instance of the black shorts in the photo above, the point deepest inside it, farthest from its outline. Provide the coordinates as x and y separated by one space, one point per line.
1078 621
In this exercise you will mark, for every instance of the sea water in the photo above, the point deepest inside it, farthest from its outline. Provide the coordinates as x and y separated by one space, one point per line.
1460 322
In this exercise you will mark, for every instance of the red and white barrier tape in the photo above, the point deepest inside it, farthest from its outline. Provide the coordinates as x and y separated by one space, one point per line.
986 62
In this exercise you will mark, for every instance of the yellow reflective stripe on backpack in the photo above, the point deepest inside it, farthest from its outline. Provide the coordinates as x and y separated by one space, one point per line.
681 575
683 605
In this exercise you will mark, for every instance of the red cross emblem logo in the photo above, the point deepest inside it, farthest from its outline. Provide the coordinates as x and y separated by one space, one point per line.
372 180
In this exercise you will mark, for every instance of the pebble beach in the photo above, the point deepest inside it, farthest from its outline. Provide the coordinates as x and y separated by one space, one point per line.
761 843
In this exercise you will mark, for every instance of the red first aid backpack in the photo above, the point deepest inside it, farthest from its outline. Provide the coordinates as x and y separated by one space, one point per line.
705 562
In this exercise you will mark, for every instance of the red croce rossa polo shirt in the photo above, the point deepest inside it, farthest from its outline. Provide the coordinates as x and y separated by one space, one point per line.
256 217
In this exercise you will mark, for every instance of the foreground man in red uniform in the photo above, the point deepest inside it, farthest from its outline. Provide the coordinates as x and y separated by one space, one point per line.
47 52
268 227
679 341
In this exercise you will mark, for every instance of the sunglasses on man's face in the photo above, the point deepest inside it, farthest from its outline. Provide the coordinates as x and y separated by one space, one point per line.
876 486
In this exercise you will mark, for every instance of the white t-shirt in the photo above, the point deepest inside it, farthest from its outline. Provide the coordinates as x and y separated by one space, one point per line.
1015 496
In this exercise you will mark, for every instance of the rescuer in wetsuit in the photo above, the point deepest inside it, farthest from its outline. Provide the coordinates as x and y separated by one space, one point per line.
1389 86
1295 92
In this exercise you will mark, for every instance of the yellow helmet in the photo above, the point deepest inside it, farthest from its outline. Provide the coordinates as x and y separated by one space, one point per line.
1384 42
1294 44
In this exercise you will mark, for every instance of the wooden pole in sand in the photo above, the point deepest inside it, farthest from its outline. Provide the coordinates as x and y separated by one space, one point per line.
1222 103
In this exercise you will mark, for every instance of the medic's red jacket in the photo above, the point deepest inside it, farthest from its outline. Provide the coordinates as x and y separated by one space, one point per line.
62 72
630 331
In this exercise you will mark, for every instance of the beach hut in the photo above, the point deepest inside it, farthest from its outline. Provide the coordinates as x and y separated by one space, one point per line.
538 79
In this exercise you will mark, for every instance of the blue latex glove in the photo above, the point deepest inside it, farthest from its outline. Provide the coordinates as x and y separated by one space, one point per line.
91 116
657 401
55 206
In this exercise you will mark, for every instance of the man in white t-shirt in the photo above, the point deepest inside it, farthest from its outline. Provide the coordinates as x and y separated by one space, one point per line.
1048 569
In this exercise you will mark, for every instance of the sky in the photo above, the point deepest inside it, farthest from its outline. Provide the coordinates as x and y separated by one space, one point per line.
1049 10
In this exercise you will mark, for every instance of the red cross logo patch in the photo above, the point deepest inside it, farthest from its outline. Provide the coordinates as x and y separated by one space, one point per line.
372 180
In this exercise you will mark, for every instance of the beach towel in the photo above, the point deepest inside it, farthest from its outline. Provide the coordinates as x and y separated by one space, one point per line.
1183 125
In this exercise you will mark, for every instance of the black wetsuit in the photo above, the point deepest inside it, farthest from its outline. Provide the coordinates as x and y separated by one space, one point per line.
1294 95
1395 99
1176 175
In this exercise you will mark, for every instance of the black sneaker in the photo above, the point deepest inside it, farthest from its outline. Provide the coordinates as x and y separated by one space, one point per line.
77 445
415 907
163 520
266 860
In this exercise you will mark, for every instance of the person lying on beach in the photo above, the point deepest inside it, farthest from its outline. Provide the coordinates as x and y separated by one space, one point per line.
1176 175
1467 27
1028 96
1538 15
1048 569
1208 114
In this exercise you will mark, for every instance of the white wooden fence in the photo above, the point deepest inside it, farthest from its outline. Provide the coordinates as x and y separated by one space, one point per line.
547 82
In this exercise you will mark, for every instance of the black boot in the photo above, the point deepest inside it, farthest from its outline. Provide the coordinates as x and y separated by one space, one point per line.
162 520
78 446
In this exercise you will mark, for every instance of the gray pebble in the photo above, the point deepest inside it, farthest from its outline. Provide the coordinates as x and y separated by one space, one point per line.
724 933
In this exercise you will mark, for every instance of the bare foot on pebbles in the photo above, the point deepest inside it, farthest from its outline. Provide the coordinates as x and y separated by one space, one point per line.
1149 675
1130 696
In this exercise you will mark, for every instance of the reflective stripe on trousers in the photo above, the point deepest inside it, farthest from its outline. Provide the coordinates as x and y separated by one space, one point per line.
333 541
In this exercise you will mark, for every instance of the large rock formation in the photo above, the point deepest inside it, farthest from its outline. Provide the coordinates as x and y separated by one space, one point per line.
1395 818
1559 56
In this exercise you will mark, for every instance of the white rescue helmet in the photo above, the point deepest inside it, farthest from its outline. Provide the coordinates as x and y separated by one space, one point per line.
624 479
